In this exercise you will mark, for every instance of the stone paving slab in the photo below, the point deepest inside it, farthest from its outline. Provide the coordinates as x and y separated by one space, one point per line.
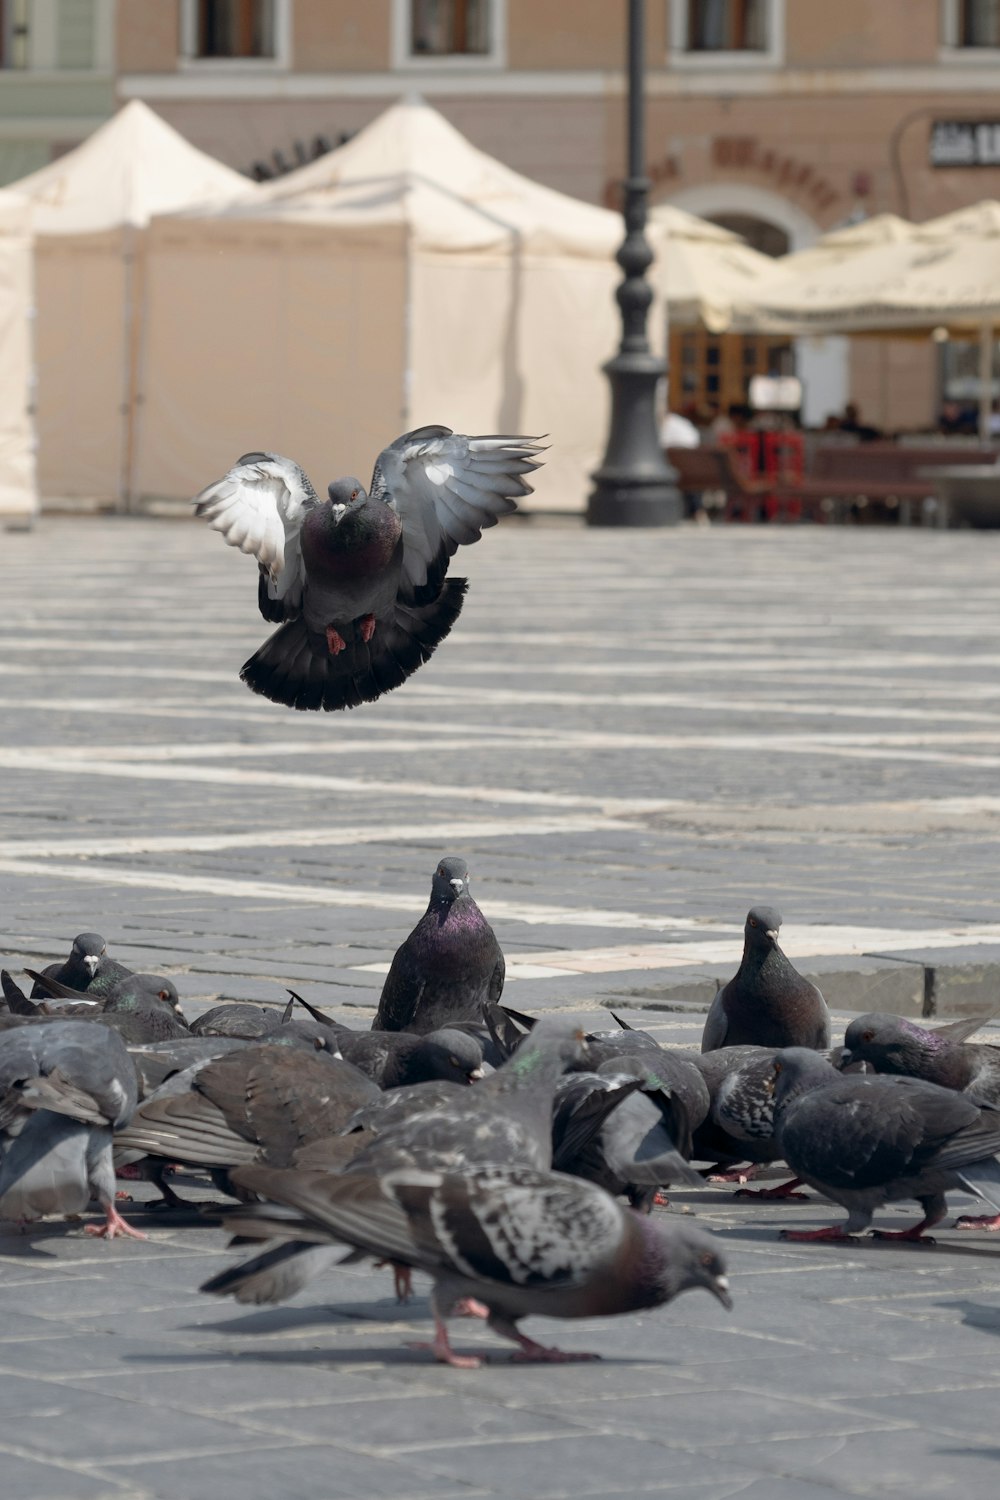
631 741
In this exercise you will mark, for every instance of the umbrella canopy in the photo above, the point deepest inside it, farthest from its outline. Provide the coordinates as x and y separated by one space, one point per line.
704 270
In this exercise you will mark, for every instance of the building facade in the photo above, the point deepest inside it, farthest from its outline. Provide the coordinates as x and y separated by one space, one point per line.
780 118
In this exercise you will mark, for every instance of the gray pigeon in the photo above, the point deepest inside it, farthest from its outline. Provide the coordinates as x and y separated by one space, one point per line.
517 1241
767 1003
506 1118
865 1140
88 969
892 1044
140 1007
393 1059
357 581
65 1088
448 967
643 1139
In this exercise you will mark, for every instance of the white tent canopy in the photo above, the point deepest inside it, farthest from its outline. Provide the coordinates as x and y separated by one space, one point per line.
90 210
18 496
705 269
405 278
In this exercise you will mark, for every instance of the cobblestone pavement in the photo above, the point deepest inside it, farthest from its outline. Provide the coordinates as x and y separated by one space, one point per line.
631 738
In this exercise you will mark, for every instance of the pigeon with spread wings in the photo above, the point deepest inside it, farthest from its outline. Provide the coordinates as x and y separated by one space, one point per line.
357 581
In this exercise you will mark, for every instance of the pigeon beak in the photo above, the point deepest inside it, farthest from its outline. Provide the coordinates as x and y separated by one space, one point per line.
846 1057
475 1075
337 511
457 886
772 933
719 1287
90 964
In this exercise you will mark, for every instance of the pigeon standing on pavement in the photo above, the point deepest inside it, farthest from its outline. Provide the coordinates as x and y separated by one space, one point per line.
65 1087
767 1003
892 1044
357 581
865 1140
515 1240
88 969
448 967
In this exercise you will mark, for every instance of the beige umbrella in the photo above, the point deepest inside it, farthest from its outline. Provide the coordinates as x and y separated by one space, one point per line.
942 274
702 269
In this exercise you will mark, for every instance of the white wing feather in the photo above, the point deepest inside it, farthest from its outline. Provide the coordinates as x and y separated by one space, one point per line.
259 507
448 488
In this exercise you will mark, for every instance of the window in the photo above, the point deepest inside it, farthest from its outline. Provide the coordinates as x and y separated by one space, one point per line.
443 28
234 28
978 23
13 33
727 26
448 33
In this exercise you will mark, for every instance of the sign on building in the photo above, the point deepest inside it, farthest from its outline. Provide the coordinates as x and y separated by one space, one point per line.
965 143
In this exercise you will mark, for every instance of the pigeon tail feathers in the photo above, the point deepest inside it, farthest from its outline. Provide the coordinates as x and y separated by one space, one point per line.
289 671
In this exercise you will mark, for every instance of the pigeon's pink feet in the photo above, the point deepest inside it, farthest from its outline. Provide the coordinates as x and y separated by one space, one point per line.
735 1174
914 1235
115 1225
468 1307
806 1236
989 1222
132 1173
122 1197
367 627
402 1279
783 1190
444 1353
335 642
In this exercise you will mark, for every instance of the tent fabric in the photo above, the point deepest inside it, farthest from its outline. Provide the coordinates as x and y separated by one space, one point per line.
943 273
18 493
704 270
475 298
90 209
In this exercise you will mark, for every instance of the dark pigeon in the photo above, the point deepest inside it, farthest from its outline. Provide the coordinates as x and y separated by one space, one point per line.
767 1003
357 581
395 1058
642 1140
448 967
941 1055
65 1088
517 1241
88 969
140 1007
865 1140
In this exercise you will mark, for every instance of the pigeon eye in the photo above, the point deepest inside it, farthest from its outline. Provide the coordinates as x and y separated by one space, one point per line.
354 494
868 1036
753 921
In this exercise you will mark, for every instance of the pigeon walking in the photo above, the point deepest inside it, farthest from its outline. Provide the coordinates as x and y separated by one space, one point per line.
65 1087
767 1003
517 1241
865 1140
357 581
892 1044
448 967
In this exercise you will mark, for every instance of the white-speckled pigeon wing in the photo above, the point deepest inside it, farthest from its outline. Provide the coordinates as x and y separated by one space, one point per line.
259 507
447 489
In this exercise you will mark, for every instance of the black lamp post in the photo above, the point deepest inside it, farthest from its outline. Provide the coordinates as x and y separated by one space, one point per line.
635 486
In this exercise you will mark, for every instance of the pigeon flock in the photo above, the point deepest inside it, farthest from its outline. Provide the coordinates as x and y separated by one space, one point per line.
357 581
518 1162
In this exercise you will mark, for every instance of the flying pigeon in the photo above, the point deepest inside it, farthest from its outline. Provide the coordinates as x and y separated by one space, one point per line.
357 581
865 1140
767 1003
517 1241
65 1087
88 969
448 967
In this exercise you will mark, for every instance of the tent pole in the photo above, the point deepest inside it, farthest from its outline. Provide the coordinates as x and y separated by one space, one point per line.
985 380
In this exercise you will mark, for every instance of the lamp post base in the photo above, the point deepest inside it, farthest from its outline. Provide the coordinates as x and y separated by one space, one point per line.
634 485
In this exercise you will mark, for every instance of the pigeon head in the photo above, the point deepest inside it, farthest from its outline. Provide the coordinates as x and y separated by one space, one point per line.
450 880
453 1055
88 949
762 926
679 1257
890 1043
795 1071
346 494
